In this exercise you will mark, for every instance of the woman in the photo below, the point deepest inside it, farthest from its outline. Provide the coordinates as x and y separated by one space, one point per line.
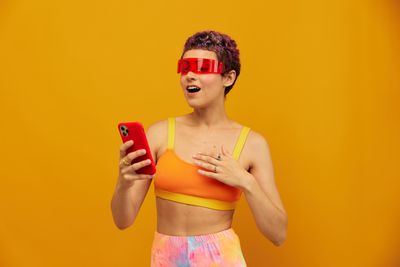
198 179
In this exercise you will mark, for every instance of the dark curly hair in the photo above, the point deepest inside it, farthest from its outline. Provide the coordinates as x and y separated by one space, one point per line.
224 46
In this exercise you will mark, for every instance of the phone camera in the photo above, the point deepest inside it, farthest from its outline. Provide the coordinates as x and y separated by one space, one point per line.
124 130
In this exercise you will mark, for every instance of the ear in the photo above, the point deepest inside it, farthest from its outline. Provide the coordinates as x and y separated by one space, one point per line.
229 78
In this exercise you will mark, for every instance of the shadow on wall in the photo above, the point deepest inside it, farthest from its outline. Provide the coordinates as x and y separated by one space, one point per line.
394 8
392 259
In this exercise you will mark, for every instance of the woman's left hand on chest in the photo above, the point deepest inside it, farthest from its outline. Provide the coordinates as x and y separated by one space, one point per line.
222 167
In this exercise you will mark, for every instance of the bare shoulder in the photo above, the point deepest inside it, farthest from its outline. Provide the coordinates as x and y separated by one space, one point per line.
157 127
157 136
256 139
256 147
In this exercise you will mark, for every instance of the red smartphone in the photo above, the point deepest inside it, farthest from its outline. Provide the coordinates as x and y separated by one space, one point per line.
135 131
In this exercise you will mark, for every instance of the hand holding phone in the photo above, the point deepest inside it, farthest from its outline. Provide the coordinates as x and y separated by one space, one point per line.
136 158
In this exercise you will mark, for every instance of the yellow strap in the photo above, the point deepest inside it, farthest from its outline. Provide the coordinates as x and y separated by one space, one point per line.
240 143
194 200
171 132
238 147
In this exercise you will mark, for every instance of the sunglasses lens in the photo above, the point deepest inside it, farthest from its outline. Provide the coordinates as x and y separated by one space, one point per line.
199 65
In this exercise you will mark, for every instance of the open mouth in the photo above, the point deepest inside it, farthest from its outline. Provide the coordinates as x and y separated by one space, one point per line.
192 89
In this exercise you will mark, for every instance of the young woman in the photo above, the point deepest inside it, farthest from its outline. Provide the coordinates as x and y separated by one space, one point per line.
205 161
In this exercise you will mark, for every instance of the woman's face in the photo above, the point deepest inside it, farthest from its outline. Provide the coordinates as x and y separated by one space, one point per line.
211 85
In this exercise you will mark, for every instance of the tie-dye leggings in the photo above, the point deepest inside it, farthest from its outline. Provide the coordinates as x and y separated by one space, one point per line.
220 249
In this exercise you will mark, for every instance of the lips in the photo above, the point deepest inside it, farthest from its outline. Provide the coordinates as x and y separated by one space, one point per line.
193 88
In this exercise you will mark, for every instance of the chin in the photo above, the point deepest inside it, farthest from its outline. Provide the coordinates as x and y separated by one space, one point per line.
196 103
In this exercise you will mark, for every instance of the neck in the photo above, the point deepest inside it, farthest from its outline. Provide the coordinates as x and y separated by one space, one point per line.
210 117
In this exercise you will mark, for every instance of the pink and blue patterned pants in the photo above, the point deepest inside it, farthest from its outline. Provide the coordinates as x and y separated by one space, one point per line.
220 249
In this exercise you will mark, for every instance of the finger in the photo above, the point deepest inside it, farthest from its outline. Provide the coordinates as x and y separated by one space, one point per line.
132 177
205 165
209 174
122 163
144 176
140 164
135 154
131 156
125 162
207 158
210 151
217 155
124 147
134 167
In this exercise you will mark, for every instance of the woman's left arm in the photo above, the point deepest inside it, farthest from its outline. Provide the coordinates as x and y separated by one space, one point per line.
261 193
257 184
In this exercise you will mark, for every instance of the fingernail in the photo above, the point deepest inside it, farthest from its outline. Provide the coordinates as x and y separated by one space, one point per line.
143 151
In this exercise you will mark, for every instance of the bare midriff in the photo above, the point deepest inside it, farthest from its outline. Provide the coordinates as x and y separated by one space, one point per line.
179 219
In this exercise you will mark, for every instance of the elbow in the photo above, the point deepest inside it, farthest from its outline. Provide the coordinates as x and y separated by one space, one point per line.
122 227
120 221
121 224
279 241
282 235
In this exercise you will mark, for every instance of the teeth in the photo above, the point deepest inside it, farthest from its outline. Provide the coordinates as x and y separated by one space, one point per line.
192 89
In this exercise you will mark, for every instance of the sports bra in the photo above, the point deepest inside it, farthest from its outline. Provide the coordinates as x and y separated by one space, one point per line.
179 181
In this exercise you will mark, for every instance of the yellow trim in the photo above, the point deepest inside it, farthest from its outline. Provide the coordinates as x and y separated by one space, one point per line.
171 132
197 201
240 143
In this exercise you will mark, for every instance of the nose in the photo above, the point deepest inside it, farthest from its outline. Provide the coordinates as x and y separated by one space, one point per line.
190 76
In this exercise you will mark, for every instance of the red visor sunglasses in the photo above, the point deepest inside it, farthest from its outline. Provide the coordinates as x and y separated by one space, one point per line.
199 65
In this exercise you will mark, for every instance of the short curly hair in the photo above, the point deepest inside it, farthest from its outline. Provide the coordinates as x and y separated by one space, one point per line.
223 45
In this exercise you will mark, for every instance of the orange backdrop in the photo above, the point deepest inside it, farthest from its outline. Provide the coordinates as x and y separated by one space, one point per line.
320 80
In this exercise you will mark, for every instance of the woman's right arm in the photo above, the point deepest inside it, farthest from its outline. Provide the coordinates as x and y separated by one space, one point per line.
131 188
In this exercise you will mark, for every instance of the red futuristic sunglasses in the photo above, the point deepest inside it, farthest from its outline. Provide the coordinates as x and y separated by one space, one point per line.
199 65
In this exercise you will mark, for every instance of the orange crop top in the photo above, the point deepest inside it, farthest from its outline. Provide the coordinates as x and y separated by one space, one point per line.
179 181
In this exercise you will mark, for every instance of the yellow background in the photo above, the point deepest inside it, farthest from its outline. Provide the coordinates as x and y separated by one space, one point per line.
320 80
